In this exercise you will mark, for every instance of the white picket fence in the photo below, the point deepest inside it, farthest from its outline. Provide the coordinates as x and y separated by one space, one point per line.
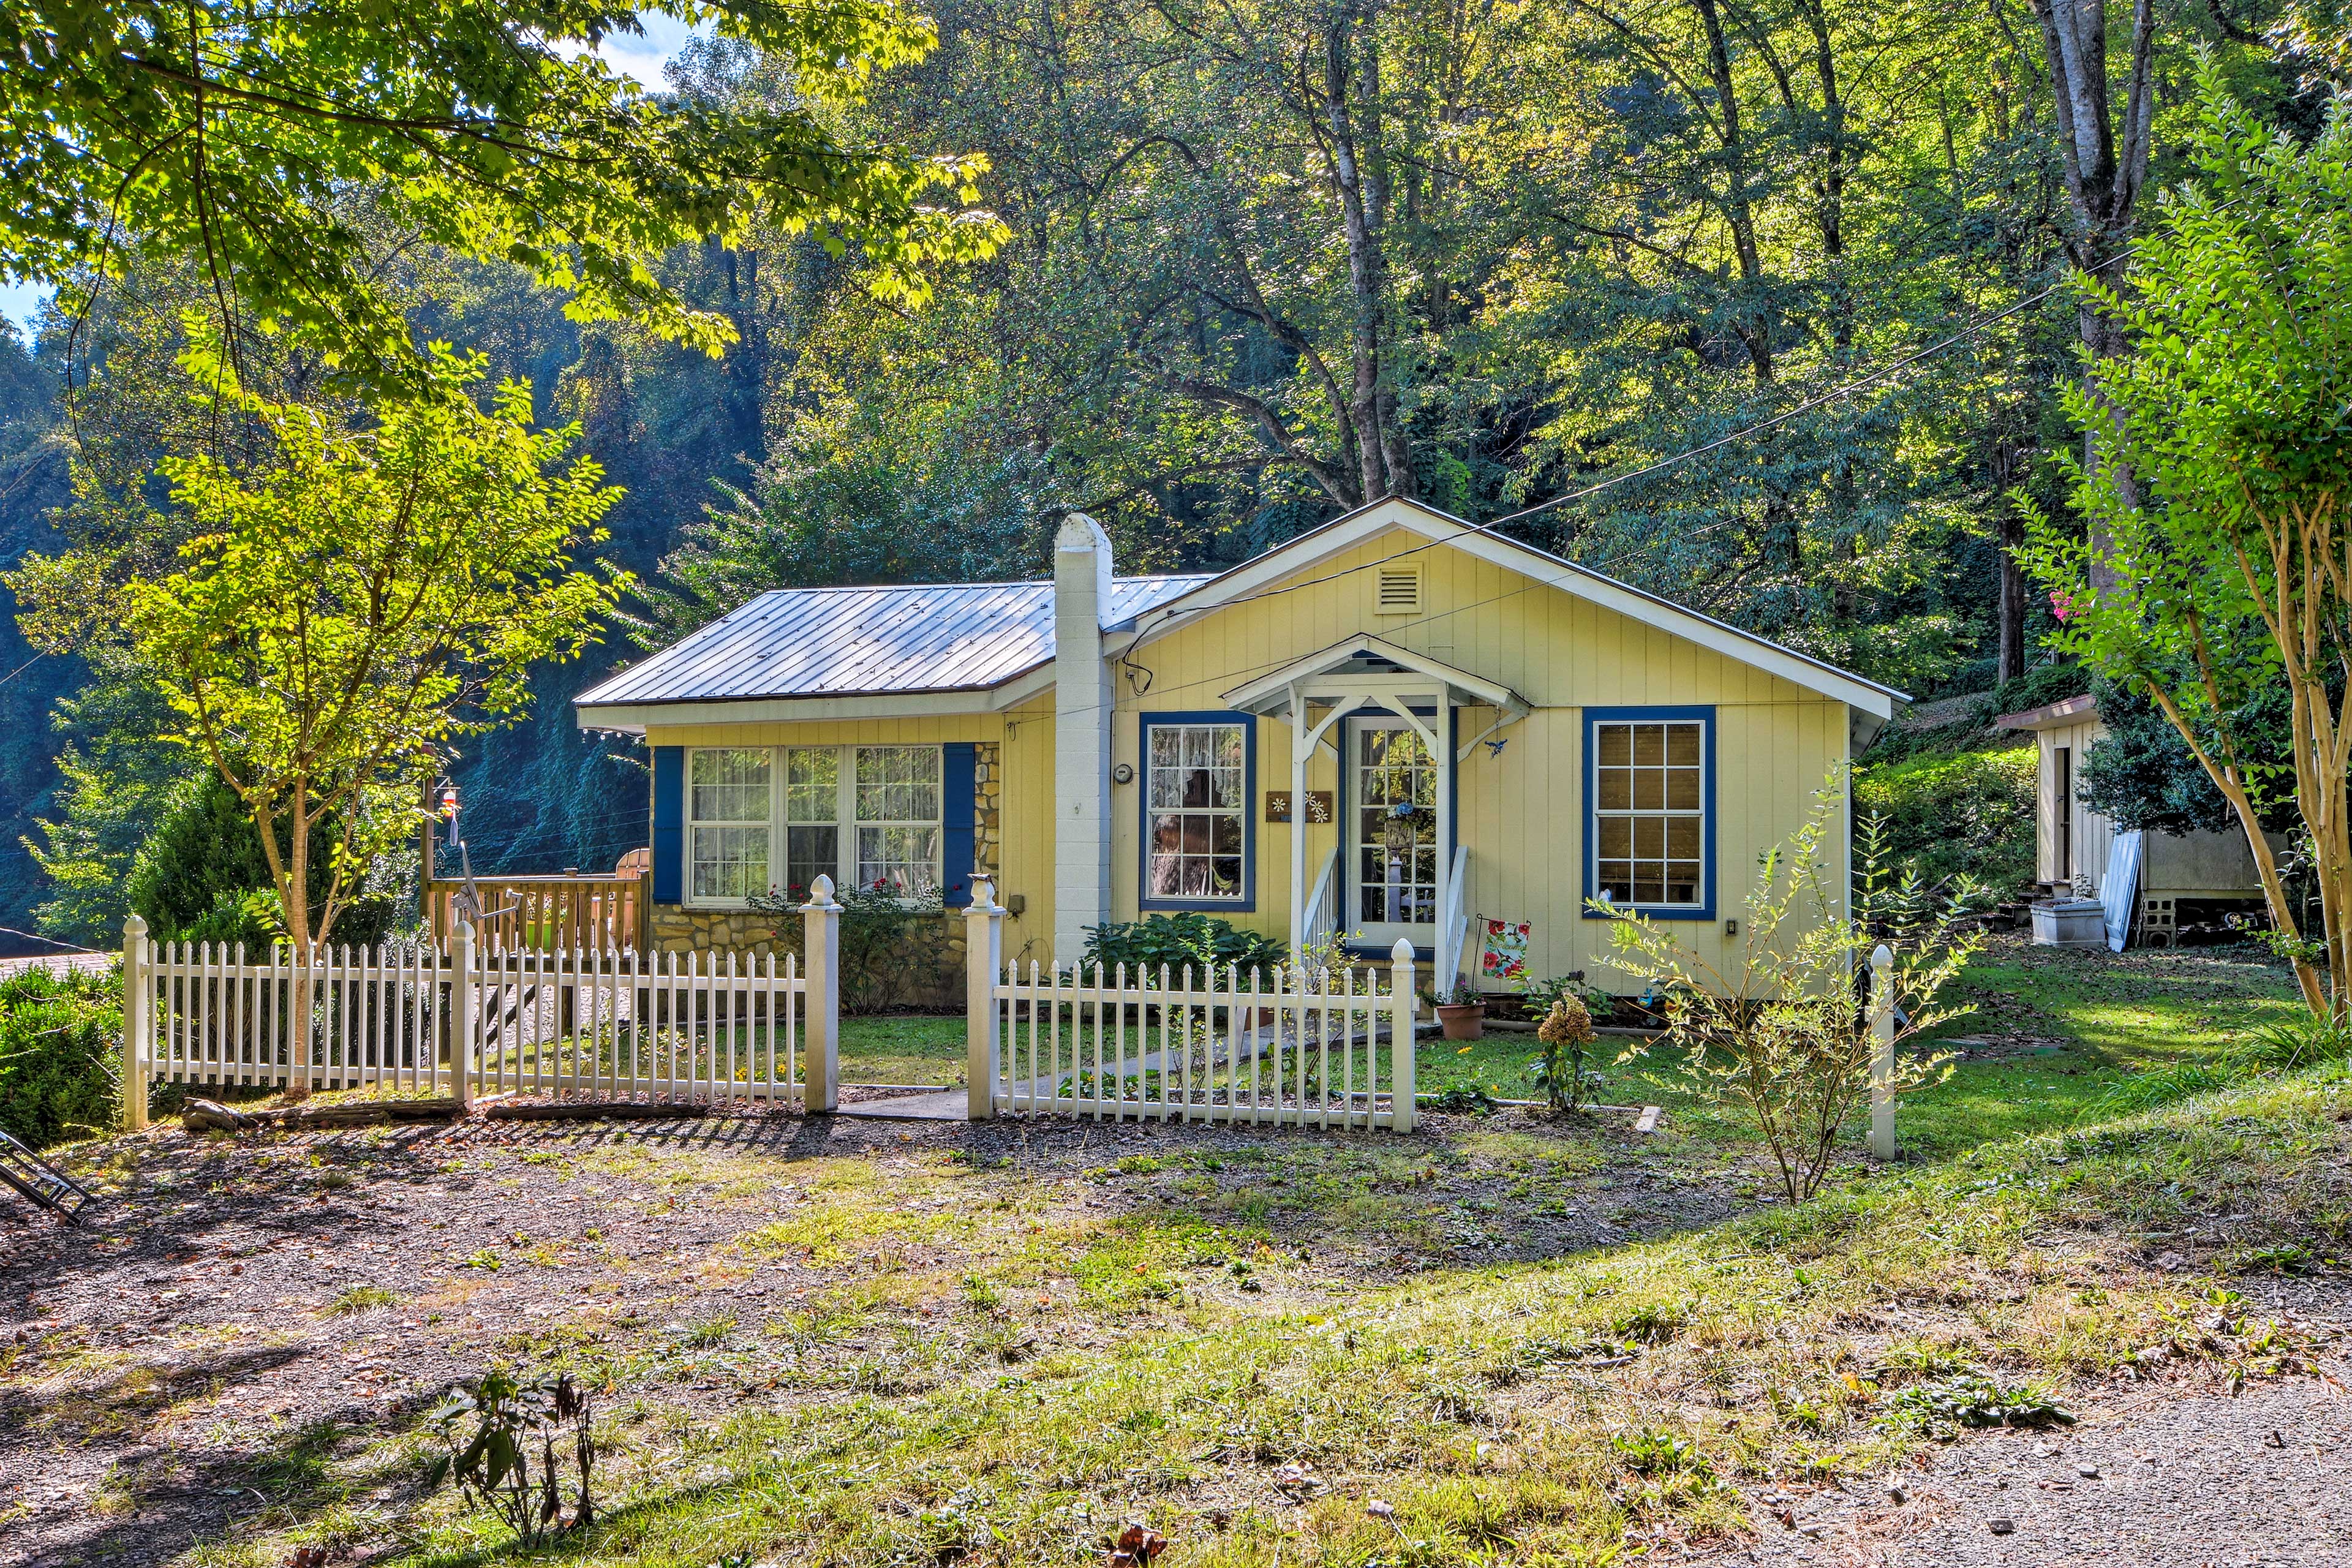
426 1019
1298 1048
1326 1049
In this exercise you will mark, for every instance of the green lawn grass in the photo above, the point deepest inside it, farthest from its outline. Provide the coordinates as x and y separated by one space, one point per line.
2068 1027
903 1050
997 1380
999 1359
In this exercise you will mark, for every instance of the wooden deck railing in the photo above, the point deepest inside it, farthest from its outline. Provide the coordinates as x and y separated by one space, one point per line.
546 913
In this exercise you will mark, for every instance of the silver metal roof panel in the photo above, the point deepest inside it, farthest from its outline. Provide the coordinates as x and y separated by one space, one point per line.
851 642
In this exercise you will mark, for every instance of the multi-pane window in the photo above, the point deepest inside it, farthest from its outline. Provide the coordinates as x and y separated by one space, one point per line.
811 814
728 804
863 815
898 815
1196 811
1650 813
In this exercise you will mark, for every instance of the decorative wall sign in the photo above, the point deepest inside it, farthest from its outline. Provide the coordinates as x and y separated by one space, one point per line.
1318 805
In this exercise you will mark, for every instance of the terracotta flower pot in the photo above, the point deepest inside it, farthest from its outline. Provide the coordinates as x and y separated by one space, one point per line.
1465 1021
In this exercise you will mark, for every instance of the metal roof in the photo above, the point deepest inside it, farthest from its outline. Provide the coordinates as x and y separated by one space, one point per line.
853 642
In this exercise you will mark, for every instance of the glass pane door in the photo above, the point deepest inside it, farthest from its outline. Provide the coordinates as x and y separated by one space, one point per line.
1393 833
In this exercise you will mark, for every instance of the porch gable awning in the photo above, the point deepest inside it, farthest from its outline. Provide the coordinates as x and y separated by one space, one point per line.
1366 664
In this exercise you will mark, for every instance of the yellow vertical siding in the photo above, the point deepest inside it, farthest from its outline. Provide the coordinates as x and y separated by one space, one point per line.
1520 813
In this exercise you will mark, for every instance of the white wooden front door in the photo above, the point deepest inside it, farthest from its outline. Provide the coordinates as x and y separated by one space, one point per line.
1393 832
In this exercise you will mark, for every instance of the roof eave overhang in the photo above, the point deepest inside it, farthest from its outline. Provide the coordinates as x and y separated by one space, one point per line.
2050 715
634 717
1346 531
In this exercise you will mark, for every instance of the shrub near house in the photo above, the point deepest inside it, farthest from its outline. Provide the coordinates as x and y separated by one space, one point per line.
59 1037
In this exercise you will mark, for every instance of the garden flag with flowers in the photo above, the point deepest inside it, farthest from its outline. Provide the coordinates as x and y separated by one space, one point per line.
1506 950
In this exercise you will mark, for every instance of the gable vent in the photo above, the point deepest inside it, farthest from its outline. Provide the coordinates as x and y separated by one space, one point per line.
1396 589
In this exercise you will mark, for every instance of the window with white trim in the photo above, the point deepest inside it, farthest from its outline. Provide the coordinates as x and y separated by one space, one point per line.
898 818
729 804
1196 812
860 815
1650 813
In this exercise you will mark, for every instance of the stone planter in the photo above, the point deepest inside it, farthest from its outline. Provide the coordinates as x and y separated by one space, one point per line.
1466 1021
2070 922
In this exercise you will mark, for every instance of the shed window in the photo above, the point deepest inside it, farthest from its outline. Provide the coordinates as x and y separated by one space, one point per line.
728 809
1649 800
1195 812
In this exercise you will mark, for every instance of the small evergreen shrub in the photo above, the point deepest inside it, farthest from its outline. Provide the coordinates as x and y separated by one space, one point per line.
1204 942
60 1042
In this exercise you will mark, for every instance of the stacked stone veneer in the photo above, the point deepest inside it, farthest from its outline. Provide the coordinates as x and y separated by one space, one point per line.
676 929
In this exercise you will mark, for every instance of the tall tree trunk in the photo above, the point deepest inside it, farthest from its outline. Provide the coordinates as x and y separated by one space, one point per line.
1352 138
2104 149
2009 643
1755 327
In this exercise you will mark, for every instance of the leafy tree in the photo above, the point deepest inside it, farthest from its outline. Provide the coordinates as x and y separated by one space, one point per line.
2221 580
235 131
2143 774
1775 1032
339 613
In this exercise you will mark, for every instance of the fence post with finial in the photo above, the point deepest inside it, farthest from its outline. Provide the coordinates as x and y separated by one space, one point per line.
464 992
820 1028
983 939
136 1003
1881 1052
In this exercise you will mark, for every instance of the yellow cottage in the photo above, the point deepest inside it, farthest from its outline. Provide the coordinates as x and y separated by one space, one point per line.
1397 725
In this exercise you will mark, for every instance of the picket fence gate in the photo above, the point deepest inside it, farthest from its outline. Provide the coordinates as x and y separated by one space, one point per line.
456 1018
1296 1046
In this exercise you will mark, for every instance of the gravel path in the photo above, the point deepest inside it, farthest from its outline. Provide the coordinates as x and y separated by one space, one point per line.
2170 1478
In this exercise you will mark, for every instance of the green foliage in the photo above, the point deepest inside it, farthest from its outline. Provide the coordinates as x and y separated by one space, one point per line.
60 1049
201 876
891 945
503 1437
1781 1037
2217 573
256 137
1566 1032
341 612
1207 945
1956 814
2143 774
1942 1407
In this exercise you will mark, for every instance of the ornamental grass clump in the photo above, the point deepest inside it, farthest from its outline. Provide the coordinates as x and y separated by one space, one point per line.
1786 1035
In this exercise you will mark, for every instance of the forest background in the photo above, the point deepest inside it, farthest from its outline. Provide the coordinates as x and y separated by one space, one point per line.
1265 261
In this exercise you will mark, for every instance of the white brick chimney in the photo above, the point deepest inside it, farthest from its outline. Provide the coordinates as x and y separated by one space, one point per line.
1082 709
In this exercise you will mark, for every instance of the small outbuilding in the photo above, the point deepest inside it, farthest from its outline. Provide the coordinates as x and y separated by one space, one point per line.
2182 877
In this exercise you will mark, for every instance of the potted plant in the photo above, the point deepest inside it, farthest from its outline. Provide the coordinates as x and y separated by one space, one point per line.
1460 1014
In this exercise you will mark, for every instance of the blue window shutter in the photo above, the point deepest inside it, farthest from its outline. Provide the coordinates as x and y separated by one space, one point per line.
958 771
669 824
